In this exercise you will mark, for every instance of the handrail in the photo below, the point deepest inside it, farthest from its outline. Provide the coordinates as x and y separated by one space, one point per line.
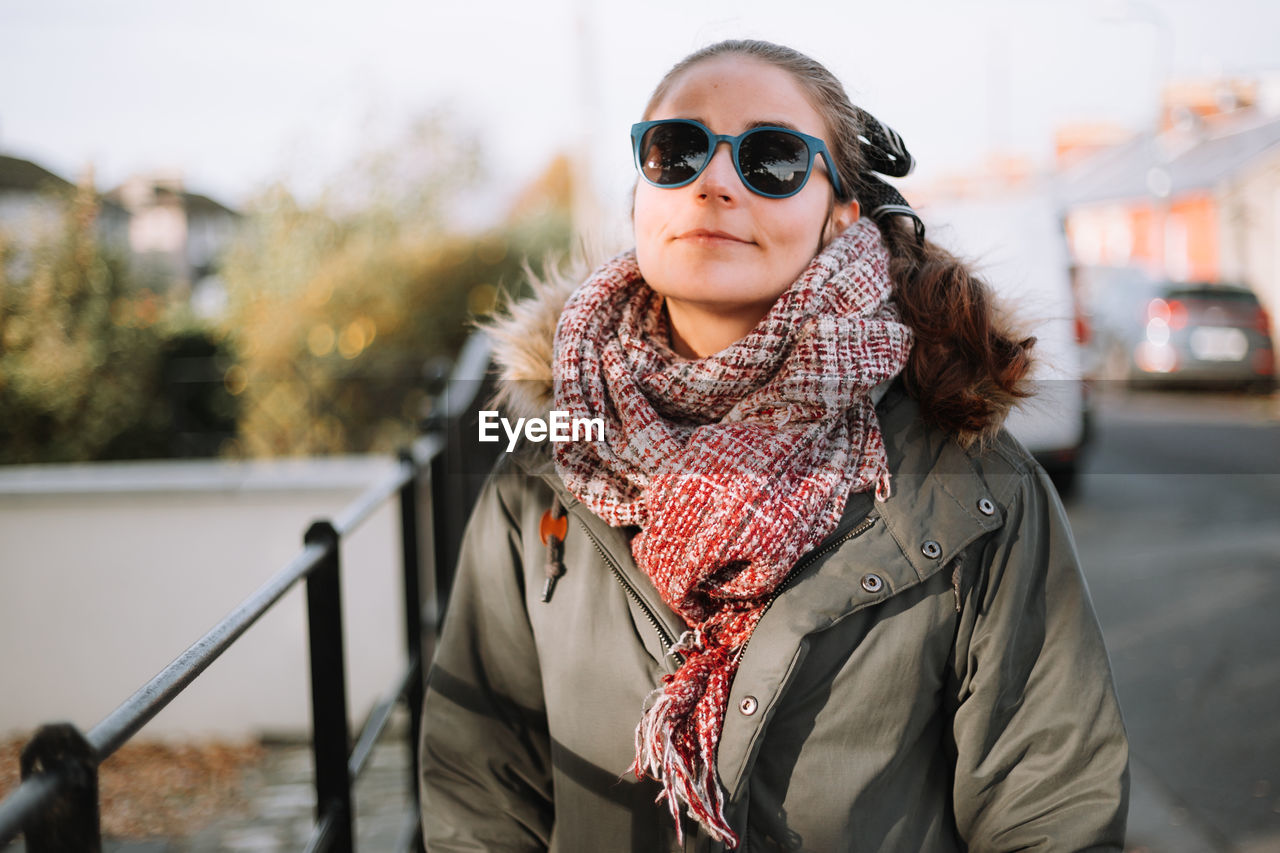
34 794
372 499
59 766
377 722
136 711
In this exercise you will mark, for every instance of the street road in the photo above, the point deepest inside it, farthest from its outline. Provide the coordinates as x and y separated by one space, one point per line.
1177 518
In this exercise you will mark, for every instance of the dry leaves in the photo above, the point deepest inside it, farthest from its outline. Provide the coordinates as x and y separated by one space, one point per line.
155 789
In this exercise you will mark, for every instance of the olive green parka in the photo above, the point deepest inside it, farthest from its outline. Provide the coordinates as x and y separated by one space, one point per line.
930 678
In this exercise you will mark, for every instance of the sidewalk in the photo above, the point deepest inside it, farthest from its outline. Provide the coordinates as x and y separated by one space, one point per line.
282 805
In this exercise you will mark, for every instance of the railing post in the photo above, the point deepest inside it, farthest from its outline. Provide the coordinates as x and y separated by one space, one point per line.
442 538
409 544
331 737
71 820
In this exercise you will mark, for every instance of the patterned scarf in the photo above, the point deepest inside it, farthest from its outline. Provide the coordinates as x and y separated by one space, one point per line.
732 466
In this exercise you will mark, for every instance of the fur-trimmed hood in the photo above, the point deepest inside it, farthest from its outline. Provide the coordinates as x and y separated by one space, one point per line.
522 333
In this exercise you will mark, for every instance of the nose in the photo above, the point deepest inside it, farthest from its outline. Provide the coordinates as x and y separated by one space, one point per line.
719 180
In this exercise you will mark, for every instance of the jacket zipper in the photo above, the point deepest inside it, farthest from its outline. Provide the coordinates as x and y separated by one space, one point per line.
667 640
861 528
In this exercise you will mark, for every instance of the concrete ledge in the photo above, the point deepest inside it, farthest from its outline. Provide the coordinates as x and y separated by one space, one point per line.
212 475
112 570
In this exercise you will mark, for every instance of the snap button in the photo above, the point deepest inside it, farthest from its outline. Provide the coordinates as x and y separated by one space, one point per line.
748 705
931 549
986 507
872 583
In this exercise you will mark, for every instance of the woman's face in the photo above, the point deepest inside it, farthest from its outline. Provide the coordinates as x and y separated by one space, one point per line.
713 248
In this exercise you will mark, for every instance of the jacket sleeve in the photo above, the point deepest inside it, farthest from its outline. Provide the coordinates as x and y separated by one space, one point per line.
1041 756
485 758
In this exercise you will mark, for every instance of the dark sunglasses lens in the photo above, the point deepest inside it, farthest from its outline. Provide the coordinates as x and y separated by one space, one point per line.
774 162
672 153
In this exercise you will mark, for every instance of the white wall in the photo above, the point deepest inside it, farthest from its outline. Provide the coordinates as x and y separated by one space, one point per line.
1250 221
108 572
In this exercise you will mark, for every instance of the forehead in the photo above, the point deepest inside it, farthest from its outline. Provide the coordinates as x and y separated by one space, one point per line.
730 93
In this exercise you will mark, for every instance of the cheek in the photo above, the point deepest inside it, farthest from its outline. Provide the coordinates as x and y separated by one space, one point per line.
649 217
643 212
798 230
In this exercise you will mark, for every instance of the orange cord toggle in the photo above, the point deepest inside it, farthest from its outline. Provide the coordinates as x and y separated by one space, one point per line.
557 527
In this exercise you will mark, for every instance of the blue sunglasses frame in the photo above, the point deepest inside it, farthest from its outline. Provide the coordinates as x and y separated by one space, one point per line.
813 145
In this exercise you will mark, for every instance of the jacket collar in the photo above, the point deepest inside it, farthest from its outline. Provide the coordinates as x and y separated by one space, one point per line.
937 495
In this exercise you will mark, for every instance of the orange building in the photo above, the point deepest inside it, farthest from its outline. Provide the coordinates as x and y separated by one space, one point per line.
1198 200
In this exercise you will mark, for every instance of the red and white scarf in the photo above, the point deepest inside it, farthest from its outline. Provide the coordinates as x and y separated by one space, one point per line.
732 466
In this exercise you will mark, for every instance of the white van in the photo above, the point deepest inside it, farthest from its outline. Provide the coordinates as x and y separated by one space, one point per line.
1015 240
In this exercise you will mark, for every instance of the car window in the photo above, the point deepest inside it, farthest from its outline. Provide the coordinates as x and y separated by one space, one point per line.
1235 297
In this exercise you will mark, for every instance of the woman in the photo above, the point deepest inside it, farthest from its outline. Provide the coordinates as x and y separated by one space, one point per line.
805 594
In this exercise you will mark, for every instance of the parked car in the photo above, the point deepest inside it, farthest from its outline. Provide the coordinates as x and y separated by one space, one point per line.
1016 241
1153 333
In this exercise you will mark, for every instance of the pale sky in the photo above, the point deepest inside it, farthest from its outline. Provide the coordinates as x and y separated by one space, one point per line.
238 93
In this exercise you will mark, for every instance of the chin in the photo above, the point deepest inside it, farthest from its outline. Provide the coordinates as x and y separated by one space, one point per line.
714 279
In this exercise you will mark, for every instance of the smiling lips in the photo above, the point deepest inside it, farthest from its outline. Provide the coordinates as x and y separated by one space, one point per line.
708 237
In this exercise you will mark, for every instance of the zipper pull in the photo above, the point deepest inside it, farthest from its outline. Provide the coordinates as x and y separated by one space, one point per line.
550 586
552 530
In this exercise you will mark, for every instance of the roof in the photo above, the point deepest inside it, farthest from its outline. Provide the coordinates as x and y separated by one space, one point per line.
1195 163
19 174
192 202
204 204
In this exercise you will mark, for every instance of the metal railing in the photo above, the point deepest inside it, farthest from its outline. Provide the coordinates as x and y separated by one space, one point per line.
56 805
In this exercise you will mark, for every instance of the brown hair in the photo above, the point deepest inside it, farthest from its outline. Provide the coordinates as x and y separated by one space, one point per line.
968 366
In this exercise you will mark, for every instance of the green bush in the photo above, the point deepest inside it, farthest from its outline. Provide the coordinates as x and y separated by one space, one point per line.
336 307
78 348
335 362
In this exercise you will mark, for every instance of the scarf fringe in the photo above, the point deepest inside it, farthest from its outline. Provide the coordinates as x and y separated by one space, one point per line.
884 488
658 758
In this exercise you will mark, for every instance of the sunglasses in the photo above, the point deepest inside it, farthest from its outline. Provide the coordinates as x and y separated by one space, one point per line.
774 162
